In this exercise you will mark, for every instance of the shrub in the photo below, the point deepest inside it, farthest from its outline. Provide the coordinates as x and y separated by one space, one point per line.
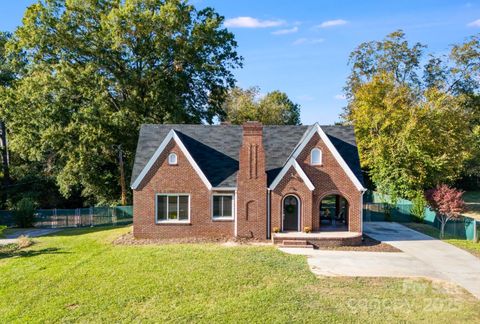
24 212
307 229
2 228
418 208
24 241
276 230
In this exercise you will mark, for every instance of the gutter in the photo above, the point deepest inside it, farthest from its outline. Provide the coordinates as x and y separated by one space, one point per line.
268 213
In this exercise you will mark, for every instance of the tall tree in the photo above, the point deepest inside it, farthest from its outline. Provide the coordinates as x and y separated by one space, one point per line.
408 143
415 123
392 55
275 108
97 69
7 77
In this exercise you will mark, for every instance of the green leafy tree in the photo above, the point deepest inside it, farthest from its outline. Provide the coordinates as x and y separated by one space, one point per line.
409 143
97 69
415 123
7 77
275 108
393 55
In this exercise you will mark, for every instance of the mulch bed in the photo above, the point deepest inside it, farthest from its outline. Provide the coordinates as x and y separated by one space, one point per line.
368 245
128 239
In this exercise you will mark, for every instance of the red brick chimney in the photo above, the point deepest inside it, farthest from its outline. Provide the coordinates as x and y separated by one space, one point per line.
252 184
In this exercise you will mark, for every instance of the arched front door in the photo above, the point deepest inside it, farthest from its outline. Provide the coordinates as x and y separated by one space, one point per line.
291 210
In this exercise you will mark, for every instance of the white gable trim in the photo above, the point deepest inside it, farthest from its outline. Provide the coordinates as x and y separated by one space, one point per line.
292 163
171 135
317 129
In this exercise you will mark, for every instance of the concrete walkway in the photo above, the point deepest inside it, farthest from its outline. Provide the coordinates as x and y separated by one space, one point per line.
422 256
30 232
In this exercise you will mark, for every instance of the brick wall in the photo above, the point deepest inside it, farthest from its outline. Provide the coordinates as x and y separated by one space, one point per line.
180 178
330 178
291 184
252 184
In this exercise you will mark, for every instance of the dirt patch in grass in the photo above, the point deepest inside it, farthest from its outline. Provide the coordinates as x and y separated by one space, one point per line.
368 245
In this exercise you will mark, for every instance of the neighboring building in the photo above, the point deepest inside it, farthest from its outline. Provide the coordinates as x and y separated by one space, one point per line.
248 181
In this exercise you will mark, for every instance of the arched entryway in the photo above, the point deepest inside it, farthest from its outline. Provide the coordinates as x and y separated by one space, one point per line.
291 213
334 213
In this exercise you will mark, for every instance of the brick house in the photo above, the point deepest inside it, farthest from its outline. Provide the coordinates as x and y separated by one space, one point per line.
251 181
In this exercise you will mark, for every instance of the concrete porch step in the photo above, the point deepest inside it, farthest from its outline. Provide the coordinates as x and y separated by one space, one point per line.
306 246
294 242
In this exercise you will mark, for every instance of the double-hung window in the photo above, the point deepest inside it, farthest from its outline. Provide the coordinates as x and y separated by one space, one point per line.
222 208
172 208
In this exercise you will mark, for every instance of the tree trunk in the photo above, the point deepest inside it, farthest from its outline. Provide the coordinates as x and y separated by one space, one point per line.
123 185
4 149
442 229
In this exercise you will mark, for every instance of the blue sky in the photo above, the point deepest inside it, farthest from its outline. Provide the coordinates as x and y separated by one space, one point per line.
302 47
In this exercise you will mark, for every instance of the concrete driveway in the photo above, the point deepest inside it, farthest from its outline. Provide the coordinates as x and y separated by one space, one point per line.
421 256
30 232
453 263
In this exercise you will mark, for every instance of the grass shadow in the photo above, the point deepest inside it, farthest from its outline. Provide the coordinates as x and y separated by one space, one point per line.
84 230
12 250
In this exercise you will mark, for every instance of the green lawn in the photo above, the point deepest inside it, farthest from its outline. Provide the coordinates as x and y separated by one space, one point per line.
472 199
470 246
78 275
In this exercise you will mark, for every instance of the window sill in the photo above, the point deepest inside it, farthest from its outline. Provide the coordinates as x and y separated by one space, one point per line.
222 219
173 223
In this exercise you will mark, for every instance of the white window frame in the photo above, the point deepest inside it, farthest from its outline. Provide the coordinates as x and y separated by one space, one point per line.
174 156
316 149
174 221
223 218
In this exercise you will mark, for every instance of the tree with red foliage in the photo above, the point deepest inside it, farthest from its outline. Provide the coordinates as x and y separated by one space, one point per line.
447 203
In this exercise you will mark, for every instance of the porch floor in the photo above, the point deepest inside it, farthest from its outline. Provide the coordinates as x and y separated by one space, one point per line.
316 235
318 239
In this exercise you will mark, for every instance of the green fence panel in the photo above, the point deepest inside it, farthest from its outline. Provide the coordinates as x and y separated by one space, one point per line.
376 203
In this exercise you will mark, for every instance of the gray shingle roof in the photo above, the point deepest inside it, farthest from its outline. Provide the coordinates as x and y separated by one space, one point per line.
216 148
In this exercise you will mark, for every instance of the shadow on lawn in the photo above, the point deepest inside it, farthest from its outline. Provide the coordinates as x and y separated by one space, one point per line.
85 230
12 250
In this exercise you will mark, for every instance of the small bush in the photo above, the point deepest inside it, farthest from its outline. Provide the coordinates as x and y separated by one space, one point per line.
2 228
418 208
24 212
276 230
307 229
24 241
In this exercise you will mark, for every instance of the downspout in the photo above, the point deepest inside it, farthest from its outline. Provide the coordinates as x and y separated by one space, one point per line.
235 223
361 210
268 214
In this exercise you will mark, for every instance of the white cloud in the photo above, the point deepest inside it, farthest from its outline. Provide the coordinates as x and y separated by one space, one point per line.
475 23
303 40
332 23
250 22
340 97
286 31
